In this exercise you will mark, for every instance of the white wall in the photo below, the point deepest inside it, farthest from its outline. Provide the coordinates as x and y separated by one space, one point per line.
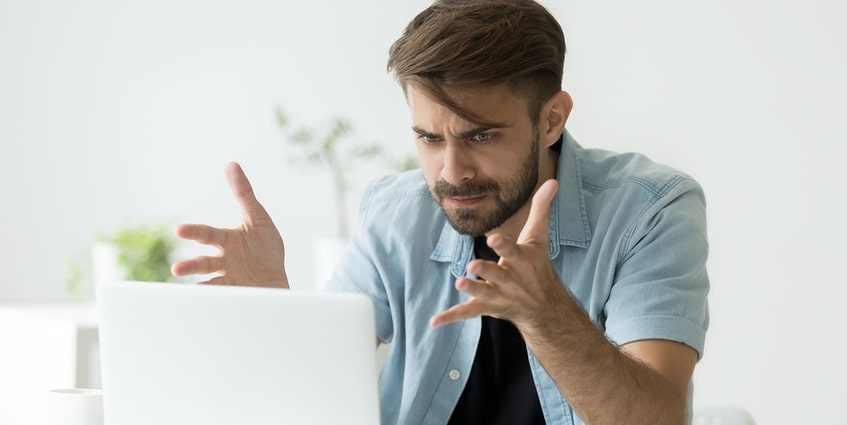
113 113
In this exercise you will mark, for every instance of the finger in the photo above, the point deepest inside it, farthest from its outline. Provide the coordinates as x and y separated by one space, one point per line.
251 209
201 233
457 313
475 288
538 222
486 270
198 265
504 246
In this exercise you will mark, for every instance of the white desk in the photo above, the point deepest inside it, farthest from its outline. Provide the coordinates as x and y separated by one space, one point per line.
44 346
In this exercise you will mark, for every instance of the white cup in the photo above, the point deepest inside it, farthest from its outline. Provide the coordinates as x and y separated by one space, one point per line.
75 406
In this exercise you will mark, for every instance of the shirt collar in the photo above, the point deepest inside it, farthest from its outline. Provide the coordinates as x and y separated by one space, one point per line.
572 220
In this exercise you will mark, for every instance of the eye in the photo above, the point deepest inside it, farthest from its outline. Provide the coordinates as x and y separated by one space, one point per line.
482 137
428 139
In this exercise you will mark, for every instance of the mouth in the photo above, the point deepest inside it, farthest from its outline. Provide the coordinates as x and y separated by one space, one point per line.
465 201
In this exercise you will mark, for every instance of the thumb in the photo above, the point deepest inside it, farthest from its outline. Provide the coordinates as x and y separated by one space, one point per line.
538 223
240 186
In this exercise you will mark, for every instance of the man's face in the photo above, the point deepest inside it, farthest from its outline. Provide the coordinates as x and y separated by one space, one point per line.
481 175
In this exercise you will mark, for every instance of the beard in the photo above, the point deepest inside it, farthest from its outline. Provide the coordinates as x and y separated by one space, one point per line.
509 196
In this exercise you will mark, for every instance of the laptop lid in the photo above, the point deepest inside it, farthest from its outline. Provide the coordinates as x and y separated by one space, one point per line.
202 354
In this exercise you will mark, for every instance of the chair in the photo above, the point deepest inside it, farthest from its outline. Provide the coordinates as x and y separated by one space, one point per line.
721 414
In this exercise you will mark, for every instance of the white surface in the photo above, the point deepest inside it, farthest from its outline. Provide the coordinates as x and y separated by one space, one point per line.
74 406
174 354
45 346
117 111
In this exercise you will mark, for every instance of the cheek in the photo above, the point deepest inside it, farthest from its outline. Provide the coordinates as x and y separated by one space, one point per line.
431 175
430 164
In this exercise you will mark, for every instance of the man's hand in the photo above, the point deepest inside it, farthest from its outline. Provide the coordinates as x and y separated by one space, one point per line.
252 254
522 285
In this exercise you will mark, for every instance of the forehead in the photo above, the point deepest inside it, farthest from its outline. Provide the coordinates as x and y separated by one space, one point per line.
491 104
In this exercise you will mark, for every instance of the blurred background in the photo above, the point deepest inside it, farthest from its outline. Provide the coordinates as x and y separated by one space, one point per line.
114 113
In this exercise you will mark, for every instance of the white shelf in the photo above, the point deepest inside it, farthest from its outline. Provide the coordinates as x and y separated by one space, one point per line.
45 346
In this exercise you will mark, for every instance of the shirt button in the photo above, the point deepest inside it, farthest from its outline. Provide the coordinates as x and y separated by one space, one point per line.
454 374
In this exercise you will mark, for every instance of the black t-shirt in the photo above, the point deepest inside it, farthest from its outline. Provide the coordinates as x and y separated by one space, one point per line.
500 389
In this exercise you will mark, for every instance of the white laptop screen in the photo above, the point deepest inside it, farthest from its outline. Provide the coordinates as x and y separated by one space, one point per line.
187 353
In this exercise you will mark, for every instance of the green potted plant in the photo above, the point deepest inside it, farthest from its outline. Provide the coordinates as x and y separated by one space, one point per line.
340 152
141 252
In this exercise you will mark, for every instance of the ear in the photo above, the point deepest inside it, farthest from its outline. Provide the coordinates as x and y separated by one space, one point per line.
554 115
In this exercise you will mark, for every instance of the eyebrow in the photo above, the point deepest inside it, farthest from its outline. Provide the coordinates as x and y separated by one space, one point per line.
463 135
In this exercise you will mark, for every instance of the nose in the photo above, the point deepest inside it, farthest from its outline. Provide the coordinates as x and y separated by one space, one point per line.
456 166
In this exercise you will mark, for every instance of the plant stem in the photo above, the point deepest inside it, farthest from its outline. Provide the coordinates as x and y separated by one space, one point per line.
340 188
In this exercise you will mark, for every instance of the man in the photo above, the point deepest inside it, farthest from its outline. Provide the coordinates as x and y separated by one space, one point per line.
520 278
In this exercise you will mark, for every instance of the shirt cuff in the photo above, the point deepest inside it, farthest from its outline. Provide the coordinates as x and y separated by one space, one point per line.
670 328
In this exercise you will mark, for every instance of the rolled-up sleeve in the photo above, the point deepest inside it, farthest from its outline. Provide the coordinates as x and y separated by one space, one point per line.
661 282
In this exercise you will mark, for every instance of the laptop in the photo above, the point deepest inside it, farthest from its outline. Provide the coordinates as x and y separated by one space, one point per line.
176 354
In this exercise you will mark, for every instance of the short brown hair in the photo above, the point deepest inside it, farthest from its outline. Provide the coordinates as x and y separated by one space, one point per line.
479 43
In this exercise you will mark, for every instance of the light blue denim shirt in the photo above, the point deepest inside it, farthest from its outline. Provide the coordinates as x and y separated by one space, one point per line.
627 237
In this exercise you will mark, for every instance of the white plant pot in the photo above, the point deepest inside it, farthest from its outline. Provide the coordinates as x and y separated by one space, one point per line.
327 251
104 263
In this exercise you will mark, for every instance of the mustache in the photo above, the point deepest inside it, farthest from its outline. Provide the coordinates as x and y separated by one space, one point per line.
468 189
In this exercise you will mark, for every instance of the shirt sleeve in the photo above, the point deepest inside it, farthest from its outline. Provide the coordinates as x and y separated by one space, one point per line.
358 273
661 283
